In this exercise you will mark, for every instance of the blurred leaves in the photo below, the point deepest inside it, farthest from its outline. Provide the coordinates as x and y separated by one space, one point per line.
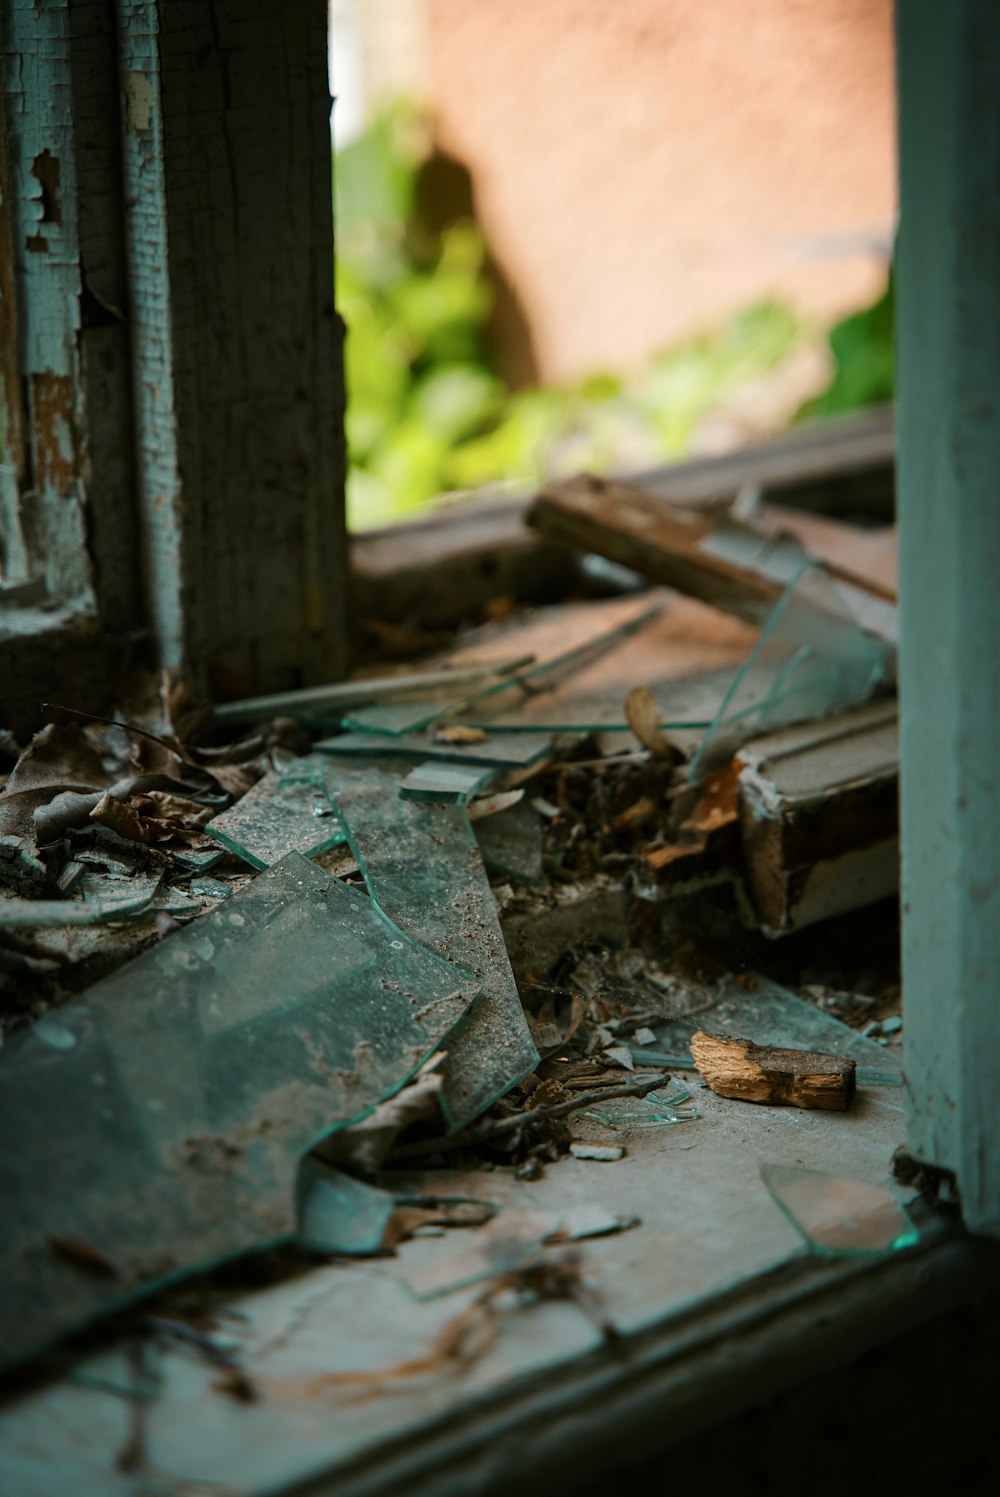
427 411
863 352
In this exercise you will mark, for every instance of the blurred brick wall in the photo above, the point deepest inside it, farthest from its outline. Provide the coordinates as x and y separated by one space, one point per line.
642 166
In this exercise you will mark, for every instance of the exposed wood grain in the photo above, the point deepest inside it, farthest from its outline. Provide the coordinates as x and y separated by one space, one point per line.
622 522
819 817
239 392
765 1073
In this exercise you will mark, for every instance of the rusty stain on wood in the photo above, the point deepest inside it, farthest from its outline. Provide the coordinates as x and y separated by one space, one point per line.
52 425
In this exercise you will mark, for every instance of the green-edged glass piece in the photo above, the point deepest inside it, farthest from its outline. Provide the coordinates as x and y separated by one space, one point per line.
503 750
160 1125
839 1218
453 784
422 866
282 813
812 658
338 1214
637 1114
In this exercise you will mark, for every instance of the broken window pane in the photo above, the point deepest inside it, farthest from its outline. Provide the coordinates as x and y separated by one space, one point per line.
422 866
839 1218
162 1128
811 658
282 813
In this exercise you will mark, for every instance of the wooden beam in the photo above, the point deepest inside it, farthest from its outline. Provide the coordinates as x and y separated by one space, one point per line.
236 343
949 479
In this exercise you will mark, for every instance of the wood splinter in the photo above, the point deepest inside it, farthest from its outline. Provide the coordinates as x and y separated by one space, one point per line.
763 1073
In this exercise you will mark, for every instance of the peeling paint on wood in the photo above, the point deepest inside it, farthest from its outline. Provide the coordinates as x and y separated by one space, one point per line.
40 180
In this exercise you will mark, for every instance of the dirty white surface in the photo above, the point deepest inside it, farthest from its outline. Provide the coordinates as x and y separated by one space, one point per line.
707 1226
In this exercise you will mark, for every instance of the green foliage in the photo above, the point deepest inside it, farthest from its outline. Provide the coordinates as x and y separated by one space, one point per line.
426 411
863 351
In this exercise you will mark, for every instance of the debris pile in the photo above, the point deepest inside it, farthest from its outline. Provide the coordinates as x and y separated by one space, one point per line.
476 914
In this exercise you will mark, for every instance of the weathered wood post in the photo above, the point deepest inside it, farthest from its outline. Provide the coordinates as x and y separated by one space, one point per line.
172 376
949 508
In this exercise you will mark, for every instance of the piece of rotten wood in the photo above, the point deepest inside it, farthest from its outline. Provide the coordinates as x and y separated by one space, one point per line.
764 1073
629 525
818 817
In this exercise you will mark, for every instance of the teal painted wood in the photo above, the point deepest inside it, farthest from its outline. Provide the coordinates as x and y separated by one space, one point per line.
949 505
236 345
40 164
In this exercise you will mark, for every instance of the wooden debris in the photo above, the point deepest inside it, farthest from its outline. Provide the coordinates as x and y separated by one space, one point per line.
763 1073
715 557
818 809
643 717
661 541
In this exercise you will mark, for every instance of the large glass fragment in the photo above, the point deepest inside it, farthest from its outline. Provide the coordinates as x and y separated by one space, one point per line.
282 813
503 750
511 843
453 784
839 1218
766 1014
812 658
160 1127
423 868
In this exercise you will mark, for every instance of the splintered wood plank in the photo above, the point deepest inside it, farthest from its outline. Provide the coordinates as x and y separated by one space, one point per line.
778 1077
628 525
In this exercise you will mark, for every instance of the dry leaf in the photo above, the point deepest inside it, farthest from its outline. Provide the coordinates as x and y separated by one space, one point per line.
643 717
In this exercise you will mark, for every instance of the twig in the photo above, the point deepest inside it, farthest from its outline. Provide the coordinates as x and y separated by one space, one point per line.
572 1104
502 1126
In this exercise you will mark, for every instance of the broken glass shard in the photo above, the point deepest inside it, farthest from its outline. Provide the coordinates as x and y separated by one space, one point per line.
510 1241
282 813
812 657
504 750
324 706
511 843
839 1218
422 866
455 784
636 1114
95 899
338 1214
598 636
767 1014
167 1136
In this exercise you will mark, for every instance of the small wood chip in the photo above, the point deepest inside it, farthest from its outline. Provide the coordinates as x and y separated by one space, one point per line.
458 733
605 1153
763 1073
